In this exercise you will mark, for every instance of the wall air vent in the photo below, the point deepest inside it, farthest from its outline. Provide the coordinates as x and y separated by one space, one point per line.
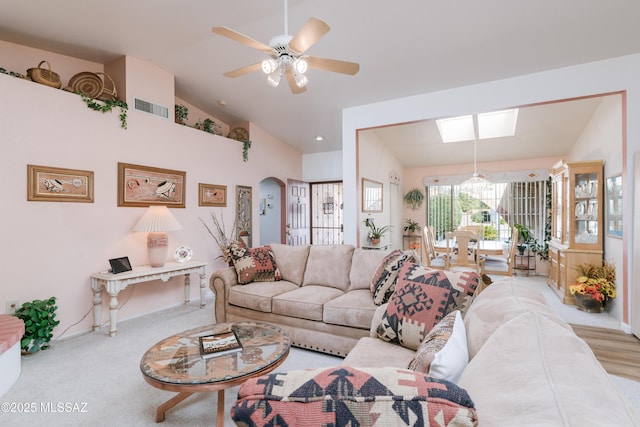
151 108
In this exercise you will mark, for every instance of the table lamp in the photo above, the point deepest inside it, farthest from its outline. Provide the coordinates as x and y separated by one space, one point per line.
156 221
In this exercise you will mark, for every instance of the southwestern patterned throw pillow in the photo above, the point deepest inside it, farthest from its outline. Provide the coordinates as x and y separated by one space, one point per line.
443 353
422 298
346 396
384 279
254 264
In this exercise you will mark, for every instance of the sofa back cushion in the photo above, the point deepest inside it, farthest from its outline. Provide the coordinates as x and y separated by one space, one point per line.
329 265
363 266
292 261
534 372
342 396
501 301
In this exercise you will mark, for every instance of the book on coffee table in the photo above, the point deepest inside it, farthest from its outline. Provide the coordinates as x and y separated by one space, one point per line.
219 344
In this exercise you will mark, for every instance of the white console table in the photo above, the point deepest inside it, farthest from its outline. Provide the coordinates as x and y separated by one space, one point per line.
114 283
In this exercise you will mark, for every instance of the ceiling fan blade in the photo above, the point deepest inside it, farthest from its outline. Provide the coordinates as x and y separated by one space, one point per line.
333 65
244 70
308 35
241 38
292 83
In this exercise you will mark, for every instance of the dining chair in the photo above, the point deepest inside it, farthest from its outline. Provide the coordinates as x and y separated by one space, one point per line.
502 265
432 259
461 251
478 229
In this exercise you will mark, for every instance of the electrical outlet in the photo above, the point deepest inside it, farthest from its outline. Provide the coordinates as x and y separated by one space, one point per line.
12 306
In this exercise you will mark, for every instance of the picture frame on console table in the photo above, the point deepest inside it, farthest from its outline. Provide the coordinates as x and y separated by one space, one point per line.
51 184
614 206
212 195
142 186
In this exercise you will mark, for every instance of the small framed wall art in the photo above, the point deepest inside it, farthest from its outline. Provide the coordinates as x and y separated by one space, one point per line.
49 184
212 195
141 186
243 214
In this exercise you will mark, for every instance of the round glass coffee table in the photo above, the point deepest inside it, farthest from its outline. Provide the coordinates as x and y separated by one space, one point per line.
175 363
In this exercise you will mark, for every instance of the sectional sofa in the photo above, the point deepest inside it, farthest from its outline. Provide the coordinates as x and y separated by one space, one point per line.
507 360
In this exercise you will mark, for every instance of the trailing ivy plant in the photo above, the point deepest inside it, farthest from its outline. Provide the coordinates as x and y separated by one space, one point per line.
182 113
39 318
106 106
245 150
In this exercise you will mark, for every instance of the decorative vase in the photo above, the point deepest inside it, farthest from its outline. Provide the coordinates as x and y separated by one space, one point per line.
587 304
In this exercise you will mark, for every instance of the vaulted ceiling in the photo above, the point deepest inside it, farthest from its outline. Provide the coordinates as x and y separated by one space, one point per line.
403 48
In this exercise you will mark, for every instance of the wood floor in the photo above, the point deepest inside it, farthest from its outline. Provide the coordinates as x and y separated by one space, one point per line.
619 353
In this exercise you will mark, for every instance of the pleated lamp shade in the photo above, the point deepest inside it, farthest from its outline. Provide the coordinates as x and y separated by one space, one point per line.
156 221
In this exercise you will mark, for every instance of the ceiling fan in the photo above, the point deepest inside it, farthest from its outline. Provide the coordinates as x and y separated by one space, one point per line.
287 55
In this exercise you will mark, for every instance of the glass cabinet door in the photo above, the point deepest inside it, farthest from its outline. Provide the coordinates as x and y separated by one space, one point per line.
586 219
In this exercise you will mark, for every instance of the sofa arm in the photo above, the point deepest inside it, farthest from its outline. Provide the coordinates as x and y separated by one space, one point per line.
377 317
220 283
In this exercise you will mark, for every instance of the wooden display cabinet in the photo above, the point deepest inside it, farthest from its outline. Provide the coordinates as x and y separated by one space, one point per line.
578 221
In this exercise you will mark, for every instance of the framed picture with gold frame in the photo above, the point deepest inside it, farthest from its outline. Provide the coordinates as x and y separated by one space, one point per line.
212 195
141 186
50 184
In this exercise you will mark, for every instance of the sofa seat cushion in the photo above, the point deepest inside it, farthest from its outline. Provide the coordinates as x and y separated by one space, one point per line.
504 299
305 303
423 297
375 353
258 295
354 309
363 266
346 396
292 261
329 265
534 372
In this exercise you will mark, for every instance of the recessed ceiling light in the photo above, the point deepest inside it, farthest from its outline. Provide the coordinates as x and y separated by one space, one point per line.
319 138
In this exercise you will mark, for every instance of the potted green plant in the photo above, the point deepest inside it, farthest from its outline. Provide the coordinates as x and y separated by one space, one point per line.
39 318
376 233
411 226
526 239
414 198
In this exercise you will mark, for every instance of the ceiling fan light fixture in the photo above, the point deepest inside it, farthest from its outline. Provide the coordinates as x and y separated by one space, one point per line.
300 65
301 79
274 79
269 65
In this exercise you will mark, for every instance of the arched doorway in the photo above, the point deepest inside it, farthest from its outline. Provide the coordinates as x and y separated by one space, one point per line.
271 211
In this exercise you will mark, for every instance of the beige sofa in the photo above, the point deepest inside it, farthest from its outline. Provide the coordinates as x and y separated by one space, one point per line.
323 300
526 366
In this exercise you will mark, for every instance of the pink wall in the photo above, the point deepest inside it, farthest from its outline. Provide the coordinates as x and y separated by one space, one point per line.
51 248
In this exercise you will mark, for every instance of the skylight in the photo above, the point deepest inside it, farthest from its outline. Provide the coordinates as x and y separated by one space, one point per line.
490 125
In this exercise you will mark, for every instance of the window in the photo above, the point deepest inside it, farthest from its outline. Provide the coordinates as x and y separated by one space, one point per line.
497 208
